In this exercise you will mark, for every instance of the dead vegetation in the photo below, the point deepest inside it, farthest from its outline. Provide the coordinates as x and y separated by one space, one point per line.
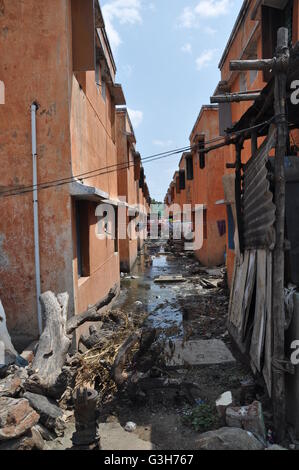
104 365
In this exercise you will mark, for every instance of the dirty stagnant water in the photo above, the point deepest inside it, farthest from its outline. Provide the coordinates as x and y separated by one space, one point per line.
196 309
173 308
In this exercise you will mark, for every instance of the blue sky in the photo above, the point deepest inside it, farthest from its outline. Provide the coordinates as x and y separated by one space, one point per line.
167 54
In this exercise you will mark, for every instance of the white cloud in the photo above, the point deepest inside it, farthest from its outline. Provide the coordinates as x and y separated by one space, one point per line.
163 143
190 17
187 48
123 12
209 30
136 117
212 8
152 7
205 58
128 70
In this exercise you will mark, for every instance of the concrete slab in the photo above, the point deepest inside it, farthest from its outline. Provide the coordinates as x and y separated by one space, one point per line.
198 353
114 437
166 279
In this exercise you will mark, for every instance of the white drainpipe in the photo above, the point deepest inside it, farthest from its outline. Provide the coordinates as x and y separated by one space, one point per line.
35 217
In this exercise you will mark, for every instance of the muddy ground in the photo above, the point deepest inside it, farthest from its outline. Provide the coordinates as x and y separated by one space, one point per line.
180 310
196 309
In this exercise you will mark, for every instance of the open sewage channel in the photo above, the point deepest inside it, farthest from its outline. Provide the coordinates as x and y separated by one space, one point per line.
187 309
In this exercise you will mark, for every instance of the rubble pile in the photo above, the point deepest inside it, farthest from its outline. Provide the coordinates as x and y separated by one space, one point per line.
97 364
56 393
117 355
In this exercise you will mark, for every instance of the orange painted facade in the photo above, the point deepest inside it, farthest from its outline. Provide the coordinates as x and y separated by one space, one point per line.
208 189
57 54
251 38
128 188
203 186
144 210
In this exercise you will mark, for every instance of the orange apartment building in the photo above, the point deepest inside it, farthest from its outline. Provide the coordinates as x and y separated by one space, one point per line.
128 187
253 36
63 82
144 203
198 183
207 187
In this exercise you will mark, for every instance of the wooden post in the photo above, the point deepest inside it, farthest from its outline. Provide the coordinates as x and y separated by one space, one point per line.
279 399
238 192
255 64
235 97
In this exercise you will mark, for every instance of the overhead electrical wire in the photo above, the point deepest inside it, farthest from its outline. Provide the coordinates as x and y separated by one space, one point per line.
87 175
84 175
118 166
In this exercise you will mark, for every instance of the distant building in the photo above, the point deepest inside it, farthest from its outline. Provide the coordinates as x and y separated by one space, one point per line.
66 73
128 187
207 186
199 182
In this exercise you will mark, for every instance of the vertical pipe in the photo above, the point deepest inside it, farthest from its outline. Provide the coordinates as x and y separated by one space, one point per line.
35 216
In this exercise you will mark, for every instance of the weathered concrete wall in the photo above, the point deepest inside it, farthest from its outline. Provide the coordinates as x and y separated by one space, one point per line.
207 188
127 187
34 65
75 134
245 39
93 133
236 51
144 207
104 266
94 147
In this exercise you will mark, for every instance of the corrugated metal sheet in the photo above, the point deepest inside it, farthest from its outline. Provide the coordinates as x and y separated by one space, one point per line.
258 206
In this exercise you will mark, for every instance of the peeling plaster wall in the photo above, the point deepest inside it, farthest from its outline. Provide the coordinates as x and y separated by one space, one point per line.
207 189
93 147
35 66
127 187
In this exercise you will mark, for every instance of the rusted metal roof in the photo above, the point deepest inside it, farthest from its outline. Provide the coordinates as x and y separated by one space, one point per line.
258 207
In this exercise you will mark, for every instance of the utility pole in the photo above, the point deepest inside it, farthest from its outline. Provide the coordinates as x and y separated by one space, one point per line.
279 398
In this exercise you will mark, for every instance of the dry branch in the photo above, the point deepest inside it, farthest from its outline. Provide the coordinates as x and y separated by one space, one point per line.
120 361
93 314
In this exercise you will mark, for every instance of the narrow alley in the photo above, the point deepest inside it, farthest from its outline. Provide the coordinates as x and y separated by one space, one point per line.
184 363
149 231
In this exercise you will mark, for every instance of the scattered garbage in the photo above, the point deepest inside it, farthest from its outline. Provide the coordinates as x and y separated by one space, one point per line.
130 426
223 402
249 418
155 363
167 279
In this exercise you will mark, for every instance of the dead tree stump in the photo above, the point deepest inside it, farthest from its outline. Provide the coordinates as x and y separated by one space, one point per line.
53 344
